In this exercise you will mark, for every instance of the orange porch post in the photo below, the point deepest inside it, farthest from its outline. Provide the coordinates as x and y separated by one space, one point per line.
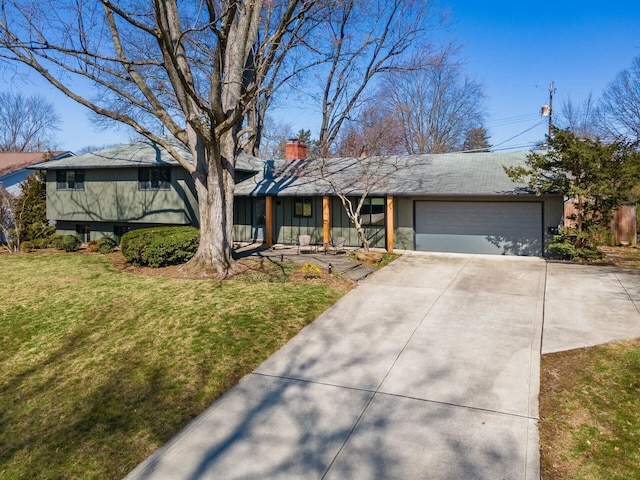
326 224
390 224
268 221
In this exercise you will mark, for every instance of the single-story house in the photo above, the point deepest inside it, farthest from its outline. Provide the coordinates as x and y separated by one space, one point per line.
446 202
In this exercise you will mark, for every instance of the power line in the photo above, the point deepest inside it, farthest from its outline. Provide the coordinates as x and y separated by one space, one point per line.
512 120
519 146
522 133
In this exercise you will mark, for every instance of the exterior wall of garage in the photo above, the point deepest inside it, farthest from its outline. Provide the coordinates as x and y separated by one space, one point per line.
404 232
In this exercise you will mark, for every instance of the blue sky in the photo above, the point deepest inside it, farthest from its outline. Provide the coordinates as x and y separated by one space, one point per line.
515 48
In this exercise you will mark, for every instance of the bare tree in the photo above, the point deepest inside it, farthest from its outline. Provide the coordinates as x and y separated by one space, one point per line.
195 68
362 40
619 107
353 180
436 106
27 124
290 62
581 119
375 132
274 137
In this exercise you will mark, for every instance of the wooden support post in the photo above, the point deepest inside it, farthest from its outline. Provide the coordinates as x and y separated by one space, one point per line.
326 224
268 221
390 224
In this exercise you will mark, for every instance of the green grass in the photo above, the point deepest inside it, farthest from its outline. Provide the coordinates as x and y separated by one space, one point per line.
590 413
99 367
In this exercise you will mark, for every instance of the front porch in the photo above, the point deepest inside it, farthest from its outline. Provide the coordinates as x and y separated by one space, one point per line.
342 263
281 220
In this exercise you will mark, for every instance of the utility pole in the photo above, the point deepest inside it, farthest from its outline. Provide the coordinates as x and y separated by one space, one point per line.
552 89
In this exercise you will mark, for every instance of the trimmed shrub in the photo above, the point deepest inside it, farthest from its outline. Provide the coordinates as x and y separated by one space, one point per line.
160 246
41 242
105 245
56 241
92 246
70 243
27 246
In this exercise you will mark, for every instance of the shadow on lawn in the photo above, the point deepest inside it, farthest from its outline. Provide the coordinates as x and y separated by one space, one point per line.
315 410
108 427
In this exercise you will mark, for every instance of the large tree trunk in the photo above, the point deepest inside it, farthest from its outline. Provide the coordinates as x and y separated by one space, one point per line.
214 181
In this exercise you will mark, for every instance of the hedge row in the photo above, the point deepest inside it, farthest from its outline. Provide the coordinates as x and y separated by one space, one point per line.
68 243
160 246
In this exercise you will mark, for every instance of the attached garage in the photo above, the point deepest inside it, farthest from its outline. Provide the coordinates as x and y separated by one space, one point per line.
491 227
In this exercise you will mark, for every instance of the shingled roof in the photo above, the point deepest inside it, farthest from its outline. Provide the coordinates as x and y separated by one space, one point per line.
441 174
14 161
448 174
142 153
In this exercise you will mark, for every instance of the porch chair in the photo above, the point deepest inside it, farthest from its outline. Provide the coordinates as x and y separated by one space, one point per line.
339 245
304 241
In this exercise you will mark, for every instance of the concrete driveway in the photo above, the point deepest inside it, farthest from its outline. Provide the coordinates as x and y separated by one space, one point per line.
590 305
429 369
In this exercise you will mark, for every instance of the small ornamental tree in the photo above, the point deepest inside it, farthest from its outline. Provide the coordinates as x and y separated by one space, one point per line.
353 180
30 211
6 216
598 177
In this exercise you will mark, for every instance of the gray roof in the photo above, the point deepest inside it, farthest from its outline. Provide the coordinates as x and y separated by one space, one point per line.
441 174
143 153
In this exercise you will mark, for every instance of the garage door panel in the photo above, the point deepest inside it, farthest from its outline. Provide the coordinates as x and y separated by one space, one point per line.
499 228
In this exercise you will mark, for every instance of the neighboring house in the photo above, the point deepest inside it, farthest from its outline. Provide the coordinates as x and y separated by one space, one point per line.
447 202
14 167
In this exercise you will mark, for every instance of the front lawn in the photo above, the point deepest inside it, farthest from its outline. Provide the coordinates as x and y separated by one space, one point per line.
590 413
100 367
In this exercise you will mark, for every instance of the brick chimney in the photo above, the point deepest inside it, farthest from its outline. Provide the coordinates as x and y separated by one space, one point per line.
295 149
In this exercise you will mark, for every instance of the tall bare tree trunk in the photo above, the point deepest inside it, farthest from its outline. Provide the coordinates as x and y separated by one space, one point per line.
214 182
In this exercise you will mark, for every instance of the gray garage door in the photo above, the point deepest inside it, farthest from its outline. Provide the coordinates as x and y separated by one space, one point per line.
499 228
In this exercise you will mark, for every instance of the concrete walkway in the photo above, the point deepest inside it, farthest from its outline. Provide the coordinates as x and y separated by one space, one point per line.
429 369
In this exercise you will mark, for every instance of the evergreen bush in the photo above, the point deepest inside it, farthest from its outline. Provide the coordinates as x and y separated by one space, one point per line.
160 246
39 243
27 246
56 241
105 245
572 244
70 243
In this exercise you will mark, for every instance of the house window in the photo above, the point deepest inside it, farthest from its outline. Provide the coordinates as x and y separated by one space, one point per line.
70 179
372 212
302 207
155 178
